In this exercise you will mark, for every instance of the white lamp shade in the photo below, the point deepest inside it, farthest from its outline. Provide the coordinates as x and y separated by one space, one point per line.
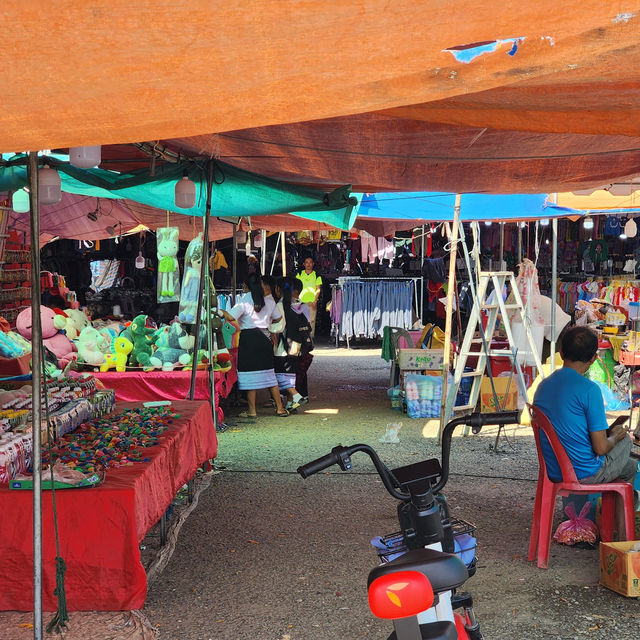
631 228
49 186
588 223
85 157
487 223
544 222
185 194
20 201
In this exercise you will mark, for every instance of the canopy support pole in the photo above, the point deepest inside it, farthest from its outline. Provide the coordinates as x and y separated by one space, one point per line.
275 253
234 264
554 289
453 243
36 402
500 267
204 271
263 257
519 228
421 280
284 255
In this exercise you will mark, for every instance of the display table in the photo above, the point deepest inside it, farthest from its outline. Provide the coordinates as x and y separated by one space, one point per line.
101 528
140 386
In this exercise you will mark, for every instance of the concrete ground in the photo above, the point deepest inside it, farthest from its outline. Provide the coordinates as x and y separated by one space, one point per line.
267 555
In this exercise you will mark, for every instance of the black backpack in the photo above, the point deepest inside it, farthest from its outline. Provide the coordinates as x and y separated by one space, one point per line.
297 329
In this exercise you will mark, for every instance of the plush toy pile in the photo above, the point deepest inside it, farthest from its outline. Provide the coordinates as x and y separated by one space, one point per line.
113 441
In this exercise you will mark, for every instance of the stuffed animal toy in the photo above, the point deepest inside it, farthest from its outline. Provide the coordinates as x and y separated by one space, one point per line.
53 340
141 329
168 271
176 353
92 347
78 320
63 323
191 281
121 348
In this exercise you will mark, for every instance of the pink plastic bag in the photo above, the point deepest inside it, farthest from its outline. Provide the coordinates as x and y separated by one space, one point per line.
577 528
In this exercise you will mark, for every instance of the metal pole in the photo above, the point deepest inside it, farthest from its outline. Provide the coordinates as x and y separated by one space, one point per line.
500 267
554 289
204 270
211 347
234 265
519 228
263 257
453 242
422 280
284 255
36 390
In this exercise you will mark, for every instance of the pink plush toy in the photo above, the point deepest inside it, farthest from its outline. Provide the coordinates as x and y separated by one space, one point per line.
55 341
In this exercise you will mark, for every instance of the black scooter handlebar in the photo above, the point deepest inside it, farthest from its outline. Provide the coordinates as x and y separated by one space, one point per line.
315 466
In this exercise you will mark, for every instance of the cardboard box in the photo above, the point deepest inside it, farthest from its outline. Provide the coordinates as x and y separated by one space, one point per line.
420 359
507 391
620 568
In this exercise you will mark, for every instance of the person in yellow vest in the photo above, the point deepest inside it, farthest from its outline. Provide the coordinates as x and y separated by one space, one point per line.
311 286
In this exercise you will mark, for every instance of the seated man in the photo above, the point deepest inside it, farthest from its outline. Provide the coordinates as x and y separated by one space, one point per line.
575 408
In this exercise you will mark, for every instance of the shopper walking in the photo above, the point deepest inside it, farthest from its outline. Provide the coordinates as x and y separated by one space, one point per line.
254 314
294 339
311 287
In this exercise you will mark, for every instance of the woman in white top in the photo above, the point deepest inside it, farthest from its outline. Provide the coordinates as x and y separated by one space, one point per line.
254 314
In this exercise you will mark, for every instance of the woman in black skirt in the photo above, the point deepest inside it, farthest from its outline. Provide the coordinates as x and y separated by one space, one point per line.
254 314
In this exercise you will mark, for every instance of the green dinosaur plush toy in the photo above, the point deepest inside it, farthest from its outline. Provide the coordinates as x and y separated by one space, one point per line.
142 329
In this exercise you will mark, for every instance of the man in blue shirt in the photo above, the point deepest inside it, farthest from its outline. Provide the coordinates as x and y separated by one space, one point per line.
575 408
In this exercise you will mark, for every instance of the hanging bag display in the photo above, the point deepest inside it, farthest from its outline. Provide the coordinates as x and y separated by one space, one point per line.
191 281
168 270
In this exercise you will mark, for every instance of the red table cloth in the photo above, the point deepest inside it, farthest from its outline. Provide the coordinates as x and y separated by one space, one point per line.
101 527
140 386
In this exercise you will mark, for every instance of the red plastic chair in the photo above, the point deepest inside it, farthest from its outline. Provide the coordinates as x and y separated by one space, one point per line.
547 492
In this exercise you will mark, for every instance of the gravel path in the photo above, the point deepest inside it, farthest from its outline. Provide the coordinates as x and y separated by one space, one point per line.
269 556
266 555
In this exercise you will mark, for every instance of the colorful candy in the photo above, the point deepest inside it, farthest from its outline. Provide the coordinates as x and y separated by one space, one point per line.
113 440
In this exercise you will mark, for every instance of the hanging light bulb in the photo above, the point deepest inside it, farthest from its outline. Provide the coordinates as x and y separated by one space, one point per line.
85 157
623 236
523 225
587 222
185 193
20 201
544 222
631 228
49 185
487 223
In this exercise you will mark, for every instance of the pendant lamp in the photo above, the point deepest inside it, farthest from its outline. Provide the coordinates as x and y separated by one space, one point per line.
49 185
487 223
185 193
85 157
631 228
544 222
588 222
20 201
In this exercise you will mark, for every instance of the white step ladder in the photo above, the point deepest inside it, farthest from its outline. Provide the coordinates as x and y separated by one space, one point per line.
499 279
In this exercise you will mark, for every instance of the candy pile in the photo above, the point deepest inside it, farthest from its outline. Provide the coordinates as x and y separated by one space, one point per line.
114 440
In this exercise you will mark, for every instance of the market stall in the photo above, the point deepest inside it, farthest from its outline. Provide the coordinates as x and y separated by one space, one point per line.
101 527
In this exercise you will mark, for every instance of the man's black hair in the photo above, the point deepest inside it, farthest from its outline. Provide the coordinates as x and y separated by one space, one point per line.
579 344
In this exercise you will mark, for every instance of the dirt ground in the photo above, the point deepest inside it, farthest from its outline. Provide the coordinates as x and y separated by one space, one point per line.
266 555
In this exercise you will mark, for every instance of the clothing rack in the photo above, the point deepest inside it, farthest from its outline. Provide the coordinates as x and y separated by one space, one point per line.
376 327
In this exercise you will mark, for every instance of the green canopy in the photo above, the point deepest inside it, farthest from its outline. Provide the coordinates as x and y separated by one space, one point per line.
236 193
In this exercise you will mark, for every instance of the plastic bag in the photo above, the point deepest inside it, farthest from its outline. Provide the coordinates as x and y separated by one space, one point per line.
578 528
391 434
611 401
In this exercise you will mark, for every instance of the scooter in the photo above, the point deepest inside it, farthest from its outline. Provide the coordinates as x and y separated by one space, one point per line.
419 589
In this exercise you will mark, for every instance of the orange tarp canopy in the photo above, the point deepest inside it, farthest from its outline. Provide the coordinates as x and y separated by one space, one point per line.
379 97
